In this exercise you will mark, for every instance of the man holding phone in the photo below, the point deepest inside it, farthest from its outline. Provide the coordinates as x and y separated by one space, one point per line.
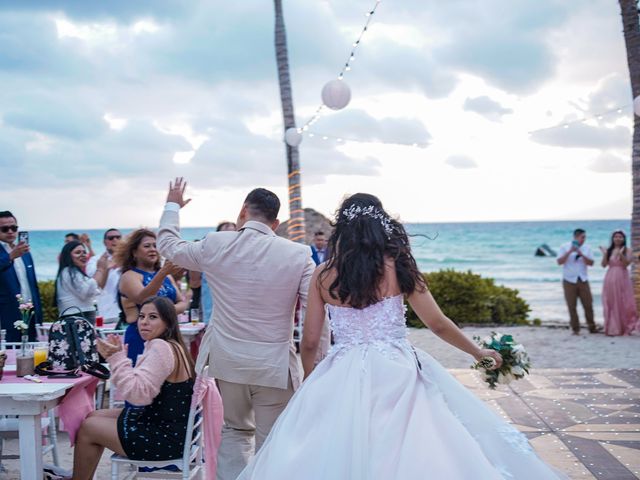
575 257
17 277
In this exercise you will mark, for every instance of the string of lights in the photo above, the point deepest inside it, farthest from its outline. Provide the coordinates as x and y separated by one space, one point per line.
342 140
598 116
346 67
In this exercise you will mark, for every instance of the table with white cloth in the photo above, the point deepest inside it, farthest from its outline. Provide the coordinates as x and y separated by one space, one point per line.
28 401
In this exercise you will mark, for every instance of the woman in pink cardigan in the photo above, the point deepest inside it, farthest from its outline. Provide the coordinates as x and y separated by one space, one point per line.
160 386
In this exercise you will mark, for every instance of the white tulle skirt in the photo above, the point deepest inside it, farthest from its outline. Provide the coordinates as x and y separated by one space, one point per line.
391 413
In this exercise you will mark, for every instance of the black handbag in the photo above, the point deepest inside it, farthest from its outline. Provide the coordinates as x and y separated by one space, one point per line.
72 347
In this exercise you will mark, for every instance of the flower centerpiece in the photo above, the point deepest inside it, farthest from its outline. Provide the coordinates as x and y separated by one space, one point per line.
515 360
26 312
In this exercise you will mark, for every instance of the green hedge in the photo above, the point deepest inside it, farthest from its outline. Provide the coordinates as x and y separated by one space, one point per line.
466 297
49 310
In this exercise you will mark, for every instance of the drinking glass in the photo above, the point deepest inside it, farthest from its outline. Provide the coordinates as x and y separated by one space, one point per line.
40 353
195 316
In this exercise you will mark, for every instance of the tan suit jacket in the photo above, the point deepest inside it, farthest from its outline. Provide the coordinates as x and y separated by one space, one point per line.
255 278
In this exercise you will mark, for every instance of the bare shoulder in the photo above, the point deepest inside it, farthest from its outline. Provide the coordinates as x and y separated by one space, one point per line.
131 275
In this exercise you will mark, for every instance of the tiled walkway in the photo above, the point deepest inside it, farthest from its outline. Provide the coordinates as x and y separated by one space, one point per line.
585 422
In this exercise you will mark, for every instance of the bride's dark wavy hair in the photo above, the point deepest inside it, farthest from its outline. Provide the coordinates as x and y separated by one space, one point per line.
357 250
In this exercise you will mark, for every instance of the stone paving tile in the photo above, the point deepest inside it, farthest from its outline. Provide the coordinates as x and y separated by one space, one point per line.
585 422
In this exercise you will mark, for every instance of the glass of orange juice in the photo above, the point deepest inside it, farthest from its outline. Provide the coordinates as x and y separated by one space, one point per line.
40 353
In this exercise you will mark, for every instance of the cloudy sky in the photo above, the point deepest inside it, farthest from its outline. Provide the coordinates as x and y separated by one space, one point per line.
101 103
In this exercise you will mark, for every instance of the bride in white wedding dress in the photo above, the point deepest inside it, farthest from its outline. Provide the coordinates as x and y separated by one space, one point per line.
375 407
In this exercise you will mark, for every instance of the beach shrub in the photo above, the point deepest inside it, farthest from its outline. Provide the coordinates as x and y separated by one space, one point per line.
466 297
49 309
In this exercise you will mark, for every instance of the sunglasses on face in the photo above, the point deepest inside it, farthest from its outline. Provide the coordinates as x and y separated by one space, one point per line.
114 237
6 229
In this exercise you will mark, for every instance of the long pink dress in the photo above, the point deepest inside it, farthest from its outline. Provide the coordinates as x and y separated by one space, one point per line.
620 313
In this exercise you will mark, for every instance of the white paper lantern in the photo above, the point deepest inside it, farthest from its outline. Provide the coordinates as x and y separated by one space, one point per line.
636 105
336 94
292 137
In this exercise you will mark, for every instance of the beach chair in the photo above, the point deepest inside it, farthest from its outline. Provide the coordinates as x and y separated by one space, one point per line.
191 464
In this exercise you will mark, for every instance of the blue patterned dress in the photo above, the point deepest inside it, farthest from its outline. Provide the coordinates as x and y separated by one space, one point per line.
132 337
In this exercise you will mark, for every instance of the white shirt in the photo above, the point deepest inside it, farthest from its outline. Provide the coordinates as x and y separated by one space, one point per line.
574 268
108 297
21 272
81 293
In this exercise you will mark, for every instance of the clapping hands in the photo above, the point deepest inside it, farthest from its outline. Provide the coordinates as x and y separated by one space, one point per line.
110 345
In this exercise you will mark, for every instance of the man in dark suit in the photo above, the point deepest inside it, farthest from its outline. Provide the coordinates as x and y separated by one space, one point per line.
319 248
17 277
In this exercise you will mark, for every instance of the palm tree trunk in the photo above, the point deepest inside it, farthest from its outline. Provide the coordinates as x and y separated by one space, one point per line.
296 228
631 27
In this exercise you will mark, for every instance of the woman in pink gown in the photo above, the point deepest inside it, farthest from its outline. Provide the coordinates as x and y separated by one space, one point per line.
618 302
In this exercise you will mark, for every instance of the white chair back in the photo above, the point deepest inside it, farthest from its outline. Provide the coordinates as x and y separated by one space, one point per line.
191 464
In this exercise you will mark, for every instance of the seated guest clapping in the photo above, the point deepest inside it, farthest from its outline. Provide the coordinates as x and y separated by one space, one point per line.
161 382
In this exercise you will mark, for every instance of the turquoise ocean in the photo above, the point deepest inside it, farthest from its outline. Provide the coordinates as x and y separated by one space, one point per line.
502 250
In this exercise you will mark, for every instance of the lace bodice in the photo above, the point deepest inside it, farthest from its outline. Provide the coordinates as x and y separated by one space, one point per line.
379 325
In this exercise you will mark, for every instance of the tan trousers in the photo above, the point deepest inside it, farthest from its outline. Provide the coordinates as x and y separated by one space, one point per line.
249 413
573 292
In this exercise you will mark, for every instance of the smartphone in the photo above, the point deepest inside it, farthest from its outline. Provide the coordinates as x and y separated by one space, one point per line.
23 237
575 243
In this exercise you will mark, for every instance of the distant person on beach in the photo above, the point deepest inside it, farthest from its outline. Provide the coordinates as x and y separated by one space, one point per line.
17 277
618 302
74 288
319 248
108 307
142 277
575 257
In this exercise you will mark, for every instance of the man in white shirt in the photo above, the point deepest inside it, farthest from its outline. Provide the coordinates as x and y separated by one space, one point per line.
108 307
575 257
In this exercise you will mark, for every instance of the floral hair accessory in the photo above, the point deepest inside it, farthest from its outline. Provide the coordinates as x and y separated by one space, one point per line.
355 211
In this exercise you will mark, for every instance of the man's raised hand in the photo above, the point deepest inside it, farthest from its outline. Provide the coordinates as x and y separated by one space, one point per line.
176 192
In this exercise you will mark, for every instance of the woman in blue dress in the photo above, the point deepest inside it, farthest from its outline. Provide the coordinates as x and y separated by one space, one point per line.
143 277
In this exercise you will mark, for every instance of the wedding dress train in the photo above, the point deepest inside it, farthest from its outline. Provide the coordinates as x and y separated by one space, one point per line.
377 408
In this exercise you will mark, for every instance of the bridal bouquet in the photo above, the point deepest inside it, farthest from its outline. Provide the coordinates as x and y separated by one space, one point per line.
515 360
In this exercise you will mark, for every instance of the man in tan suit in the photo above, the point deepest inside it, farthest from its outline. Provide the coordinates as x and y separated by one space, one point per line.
255 278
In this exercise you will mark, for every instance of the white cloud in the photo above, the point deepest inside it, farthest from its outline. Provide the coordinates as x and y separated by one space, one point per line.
610 163
461 161
197 83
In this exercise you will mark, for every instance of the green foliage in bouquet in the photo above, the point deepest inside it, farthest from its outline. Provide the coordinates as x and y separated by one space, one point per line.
47 300
515 360
466 297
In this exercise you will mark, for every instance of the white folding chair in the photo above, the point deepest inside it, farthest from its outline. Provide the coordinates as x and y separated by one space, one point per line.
191 463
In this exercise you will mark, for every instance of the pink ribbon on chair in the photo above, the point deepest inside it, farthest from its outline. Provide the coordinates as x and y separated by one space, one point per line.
206 391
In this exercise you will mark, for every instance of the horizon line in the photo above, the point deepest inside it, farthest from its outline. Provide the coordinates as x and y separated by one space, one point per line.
556 220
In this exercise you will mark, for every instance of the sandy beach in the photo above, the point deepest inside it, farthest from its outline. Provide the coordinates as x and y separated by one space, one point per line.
547 347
